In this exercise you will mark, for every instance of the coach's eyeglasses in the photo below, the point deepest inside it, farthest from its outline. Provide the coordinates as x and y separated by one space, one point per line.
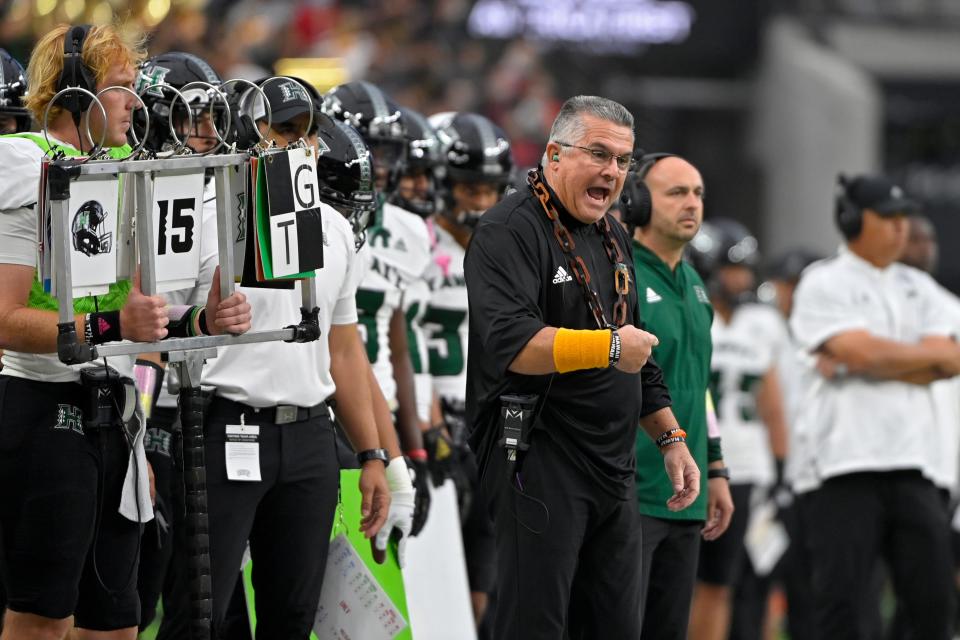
601 157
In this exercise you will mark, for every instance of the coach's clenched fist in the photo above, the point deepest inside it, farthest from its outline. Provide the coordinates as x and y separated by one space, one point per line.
635 347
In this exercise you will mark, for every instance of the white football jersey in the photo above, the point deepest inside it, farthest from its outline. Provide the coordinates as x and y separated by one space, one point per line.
415 301
445 320
743 351
395 258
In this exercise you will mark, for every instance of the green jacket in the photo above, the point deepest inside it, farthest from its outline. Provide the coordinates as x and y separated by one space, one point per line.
117 294
674 307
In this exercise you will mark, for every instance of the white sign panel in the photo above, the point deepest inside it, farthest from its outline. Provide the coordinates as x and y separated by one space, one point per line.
296 230
92 216
177 210
353 604
435 573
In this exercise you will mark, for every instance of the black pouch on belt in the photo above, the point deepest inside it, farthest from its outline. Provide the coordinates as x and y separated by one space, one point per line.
110 398
517 413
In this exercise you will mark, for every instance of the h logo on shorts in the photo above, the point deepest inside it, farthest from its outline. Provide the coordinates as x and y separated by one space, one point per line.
69 417
158 441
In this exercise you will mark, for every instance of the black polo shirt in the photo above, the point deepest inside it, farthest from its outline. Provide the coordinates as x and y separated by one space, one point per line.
518 283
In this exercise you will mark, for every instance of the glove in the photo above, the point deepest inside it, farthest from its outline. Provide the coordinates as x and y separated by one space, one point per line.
780 494
439 454
402 505
421 482
463 472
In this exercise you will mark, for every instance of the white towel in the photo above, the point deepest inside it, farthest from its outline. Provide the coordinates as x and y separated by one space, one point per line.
136 485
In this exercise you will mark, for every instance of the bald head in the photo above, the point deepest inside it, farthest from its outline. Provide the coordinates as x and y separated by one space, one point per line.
676 192
922 250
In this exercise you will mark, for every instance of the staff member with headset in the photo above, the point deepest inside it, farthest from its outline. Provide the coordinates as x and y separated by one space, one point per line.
559 375
664 206
880 331
71 490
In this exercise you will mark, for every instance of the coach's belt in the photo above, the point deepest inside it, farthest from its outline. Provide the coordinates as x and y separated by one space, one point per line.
279 414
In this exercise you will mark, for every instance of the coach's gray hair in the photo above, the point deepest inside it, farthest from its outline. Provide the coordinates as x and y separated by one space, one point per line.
568 126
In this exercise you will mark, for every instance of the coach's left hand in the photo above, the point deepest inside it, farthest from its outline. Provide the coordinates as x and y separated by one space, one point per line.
226 316
684 475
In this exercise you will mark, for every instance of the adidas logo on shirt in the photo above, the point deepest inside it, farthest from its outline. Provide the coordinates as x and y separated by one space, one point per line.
561 276
653 296
400 245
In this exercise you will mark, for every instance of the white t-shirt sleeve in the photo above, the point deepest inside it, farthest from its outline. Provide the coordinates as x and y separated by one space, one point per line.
19 186
822 309
20 181
18 237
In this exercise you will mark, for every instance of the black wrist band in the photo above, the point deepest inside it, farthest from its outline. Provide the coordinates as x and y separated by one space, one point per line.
374 454
202 322
183 326
722 472
103 327
614 347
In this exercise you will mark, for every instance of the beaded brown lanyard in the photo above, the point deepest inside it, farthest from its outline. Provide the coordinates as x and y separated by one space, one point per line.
621 274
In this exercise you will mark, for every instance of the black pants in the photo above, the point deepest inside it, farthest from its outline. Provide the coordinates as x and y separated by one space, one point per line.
566 551
853 519
669 566
287 518
794 574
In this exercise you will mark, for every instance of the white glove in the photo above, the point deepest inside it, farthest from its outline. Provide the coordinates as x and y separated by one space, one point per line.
400 516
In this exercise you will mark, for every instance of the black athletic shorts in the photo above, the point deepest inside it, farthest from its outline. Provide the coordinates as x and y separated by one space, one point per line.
65 549
720 559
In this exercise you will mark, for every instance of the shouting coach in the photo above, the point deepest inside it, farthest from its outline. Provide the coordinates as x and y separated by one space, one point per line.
559 375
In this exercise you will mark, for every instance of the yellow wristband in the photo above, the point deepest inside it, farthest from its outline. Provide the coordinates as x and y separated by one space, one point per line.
575 349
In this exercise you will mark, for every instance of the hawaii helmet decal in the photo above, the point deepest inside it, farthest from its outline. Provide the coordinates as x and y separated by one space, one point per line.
89 237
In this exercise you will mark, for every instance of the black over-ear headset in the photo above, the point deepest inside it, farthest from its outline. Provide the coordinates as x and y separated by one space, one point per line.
75 73
635 200
849 215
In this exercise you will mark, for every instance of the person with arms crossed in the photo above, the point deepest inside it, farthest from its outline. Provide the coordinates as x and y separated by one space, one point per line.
922 252
880 334
560 374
